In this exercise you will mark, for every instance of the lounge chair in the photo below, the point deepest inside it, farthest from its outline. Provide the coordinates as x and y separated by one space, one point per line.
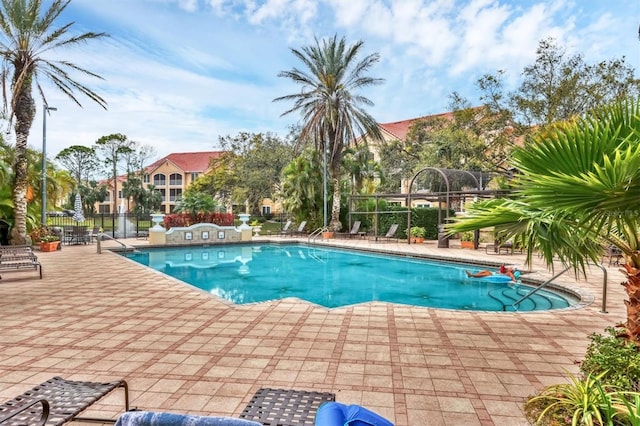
355 231
300 229
19 258
285 228
285 407
58 401
391 233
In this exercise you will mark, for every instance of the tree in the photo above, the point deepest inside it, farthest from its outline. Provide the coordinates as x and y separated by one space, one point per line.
248 170
194 202
113 148
81 161
92 193
301 190
332 111
559 87
27 33
577 190
362 169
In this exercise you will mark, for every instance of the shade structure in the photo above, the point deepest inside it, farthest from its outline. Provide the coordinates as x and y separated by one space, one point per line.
78 215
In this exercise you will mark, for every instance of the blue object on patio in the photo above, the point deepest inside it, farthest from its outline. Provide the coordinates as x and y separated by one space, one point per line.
150 418
336 414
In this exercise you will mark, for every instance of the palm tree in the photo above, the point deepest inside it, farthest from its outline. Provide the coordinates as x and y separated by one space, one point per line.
577 191
27 33
332 112
301 183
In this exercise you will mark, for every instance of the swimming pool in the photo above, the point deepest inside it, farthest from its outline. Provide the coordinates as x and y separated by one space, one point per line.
335 277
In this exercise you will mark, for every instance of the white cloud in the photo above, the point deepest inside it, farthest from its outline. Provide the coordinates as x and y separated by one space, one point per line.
181 73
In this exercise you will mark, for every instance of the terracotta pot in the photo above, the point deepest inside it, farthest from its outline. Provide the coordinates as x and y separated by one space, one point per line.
327 235
467 244
49 246
417 240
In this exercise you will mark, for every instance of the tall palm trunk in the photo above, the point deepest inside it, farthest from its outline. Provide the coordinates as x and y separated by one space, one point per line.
25 111
335 224
632 286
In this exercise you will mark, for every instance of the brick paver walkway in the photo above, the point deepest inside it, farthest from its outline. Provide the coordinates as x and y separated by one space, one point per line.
102 317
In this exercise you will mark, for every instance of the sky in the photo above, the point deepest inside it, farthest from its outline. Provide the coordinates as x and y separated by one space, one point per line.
179 74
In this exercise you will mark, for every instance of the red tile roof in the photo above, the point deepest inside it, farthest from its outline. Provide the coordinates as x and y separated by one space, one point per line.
399 129
188 162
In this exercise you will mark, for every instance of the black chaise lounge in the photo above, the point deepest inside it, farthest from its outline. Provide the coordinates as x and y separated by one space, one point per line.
58 401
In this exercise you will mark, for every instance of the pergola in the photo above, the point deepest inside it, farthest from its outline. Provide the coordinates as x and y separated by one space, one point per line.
435 185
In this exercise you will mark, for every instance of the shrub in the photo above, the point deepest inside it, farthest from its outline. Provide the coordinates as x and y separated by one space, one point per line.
616 357
185 219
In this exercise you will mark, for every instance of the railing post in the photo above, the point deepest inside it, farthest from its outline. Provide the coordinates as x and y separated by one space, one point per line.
604 288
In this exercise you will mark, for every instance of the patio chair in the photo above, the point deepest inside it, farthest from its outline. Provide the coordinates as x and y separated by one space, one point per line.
285 228
355 231
285 407
507 247
19 258
613 253
300 229
391 233
58 401
93 234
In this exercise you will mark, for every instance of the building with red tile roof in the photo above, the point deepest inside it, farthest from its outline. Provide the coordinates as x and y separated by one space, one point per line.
171 176
399 129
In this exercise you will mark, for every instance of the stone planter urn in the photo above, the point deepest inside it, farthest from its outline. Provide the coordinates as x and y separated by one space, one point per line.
157 218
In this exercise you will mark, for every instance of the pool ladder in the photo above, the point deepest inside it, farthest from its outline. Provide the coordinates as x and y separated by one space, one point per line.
102 235
315 234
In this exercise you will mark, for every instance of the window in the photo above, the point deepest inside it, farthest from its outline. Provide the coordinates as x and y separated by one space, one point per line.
266 210
119 194
159 180
175 194
107 198
163 194
104 209
145 178
175 179
194 176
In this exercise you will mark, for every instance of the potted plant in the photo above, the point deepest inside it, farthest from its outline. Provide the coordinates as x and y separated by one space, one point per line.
45 237
417 234
49 242
466 240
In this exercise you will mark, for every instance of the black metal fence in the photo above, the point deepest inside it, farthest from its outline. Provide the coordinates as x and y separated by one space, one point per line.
118 226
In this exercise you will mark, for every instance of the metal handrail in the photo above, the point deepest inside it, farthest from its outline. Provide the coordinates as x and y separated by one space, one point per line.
102 234
316 233
540 287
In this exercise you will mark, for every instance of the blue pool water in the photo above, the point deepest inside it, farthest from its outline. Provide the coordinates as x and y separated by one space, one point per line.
333 278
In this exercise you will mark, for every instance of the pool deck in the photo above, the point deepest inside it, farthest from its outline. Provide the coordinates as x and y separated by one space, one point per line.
102 317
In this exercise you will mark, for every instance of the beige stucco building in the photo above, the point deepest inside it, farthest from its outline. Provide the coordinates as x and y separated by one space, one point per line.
170 175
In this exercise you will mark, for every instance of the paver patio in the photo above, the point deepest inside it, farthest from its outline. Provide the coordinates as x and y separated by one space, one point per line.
102 317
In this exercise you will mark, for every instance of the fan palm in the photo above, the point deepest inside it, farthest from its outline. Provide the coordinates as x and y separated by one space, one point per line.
578 190
332 112
27 33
